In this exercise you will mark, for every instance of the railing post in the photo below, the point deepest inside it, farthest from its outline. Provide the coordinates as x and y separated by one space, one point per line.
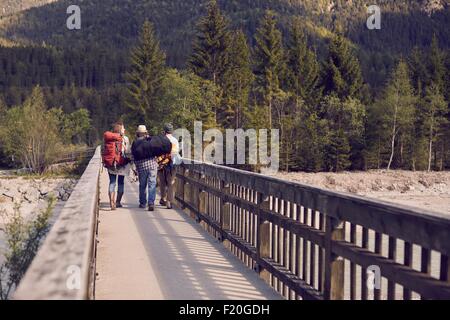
180 186
225 213
334 265
202 206
225 210
187 197
263 238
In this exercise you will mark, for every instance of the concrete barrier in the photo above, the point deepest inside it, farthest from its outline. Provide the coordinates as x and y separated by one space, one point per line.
64 267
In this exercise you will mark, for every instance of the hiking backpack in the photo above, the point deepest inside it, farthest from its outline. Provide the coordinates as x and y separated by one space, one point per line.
160 145
112 156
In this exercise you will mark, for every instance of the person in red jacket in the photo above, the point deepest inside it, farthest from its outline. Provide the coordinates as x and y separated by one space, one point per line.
118 171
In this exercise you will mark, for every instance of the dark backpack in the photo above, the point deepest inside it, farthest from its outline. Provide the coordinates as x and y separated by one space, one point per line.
160 145
151 147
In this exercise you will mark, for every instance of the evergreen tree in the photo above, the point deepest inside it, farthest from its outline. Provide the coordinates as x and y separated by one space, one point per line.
398 106
342 74
303 67
238 79
436 65
269 60
309 143
435 112
338 151
145 75
345 123
418 70
210 57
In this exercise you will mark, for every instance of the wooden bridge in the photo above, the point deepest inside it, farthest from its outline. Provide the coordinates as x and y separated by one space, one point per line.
239 235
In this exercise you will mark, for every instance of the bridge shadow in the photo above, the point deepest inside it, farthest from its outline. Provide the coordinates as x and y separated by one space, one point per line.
191 264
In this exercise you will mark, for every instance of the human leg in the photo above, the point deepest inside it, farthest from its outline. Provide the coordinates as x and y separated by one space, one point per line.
152 188
120 190
143 182
170 178
162 182
112 190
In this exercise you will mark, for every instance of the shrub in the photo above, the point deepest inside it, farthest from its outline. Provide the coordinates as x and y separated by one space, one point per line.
23 239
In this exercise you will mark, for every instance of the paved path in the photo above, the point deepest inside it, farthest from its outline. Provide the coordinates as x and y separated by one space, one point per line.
165 255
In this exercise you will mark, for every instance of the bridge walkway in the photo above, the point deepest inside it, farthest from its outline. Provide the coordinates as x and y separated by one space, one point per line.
165 254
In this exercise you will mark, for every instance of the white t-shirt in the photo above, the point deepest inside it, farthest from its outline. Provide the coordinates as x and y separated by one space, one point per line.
175 153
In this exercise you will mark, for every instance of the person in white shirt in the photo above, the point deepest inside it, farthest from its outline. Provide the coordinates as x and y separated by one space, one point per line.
166 176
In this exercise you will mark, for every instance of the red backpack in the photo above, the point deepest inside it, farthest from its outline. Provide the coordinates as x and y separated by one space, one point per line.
112 156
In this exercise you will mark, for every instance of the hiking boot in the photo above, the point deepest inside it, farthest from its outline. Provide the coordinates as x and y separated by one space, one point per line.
162 202
151 207
112 200
168 205
119 199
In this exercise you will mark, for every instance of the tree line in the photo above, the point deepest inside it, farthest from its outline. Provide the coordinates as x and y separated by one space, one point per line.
332 114
326 114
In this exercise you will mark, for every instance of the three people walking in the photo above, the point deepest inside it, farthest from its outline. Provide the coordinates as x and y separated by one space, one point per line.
152 158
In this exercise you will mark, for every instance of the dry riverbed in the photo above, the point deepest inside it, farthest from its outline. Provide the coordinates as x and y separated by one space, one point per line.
426 190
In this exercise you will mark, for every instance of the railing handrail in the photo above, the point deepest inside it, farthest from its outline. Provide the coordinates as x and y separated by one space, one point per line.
64 265
76 155
429 230
403 209
261 183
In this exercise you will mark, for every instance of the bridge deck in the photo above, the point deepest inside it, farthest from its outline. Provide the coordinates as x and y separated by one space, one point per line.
165 255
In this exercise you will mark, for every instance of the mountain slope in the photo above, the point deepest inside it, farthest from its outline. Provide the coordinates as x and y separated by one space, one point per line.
8 7
116 23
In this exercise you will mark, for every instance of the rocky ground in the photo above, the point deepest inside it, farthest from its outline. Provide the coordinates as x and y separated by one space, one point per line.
426 190
31 195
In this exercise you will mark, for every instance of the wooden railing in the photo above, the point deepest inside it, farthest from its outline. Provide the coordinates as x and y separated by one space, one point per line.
64 267
76 155
310 243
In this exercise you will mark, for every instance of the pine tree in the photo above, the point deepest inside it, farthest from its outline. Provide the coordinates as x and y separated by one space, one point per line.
338 151
209 57
342 71
145 75
238 79
269 59
436 65
418 70
398 105
303 67
435 112
345 125
309 143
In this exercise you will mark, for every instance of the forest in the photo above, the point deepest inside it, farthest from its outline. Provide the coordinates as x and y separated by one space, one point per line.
343 97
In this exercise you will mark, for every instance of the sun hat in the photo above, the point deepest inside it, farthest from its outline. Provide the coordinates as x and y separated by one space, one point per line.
142 129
